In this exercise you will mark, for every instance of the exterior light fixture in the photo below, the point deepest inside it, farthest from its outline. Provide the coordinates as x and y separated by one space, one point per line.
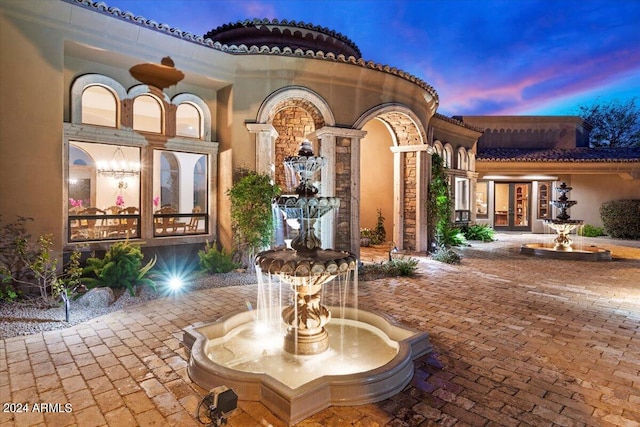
118 168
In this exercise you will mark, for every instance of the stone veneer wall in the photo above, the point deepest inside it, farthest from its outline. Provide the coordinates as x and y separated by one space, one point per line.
343 191
409 201
293 123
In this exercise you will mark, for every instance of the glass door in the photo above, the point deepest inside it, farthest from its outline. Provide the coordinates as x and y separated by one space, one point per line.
512 206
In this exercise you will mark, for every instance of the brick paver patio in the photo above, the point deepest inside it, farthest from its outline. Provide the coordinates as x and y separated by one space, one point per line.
518 341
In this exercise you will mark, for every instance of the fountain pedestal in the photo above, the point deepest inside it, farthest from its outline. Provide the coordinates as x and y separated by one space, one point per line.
563 242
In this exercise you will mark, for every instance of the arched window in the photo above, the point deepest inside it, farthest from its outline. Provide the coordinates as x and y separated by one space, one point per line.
169 180
82 179
188 121
200 184
437 146
447 155
462 159
147 114
99 106
471 165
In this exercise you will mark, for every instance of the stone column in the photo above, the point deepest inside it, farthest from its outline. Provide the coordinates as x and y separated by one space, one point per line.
398 192
417 238
423 172
327 139
341 148
266 136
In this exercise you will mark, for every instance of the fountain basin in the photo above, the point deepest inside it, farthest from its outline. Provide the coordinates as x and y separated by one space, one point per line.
542 250
283 389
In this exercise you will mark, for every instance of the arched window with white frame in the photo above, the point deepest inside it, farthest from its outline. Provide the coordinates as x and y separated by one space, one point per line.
447 155
462 162
99 106
147 114
437 146
188 120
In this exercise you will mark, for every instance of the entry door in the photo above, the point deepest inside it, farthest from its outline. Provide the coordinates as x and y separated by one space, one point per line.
512 206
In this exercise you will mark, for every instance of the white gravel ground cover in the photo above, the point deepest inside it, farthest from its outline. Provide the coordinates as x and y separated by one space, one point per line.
27 318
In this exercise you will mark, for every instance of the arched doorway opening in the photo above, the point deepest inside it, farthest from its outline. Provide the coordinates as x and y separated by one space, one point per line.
376 175
394 175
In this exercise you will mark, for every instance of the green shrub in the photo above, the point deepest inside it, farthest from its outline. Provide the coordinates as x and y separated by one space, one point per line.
396 267
14 249
252 222
401 266
121 267
213 260
367 233
450 236
482 232
621 218
446 255
591 231
381 234
8 293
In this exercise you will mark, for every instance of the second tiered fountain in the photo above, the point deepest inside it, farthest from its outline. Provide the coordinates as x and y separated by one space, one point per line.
563 225
300 357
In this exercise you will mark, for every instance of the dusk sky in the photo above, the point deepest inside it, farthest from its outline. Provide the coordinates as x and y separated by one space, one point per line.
543 57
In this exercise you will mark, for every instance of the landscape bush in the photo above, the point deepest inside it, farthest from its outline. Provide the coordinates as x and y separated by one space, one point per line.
214 261
446 255
251 198
121 267
482 232
591 231
25 265
621 218
401 266
14 247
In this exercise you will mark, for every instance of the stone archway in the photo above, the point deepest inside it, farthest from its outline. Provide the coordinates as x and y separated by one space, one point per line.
286 118
410 160
294 120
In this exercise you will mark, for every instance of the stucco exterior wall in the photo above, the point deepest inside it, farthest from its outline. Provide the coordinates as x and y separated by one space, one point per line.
590 191
31 106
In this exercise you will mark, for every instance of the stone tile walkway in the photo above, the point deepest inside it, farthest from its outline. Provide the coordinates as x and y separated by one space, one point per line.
519 341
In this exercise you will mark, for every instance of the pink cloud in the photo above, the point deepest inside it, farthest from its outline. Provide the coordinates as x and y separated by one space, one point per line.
557 80
256 9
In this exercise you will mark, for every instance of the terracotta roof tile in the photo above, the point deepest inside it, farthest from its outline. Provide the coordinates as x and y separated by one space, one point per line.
581 154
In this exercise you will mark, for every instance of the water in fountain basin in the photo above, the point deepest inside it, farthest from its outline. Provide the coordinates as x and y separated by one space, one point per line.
353 347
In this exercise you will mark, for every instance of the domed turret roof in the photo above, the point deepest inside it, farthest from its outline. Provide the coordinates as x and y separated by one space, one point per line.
281 34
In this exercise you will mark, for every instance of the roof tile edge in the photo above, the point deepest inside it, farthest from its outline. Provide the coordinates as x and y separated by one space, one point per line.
102 7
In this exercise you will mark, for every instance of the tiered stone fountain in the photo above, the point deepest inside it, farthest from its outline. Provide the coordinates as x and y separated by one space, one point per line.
563 225
320 355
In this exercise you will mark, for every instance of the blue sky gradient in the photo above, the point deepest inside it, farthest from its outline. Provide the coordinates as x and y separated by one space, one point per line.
496 57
